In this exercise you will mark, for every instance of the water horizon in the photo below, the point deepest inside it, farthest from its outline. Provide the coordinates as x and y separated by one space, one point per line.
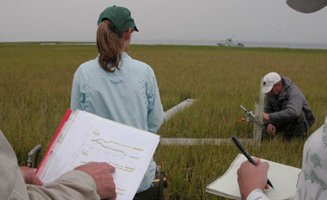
292 45
251 44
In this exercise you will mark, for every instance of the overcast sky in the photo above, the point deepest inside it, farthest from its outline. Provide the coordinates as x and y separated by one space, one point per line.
214 20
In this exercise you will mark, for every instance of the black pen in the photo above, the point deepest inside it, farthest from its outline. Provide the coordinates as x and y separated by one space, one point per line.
247 155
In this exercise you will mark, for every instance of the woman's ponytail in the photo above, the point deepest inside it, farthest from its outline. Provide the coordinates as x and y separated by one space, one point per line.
109 46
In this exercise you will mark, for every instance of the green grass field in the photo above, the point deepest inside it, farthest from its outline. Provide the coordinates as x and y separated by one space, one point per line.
35 84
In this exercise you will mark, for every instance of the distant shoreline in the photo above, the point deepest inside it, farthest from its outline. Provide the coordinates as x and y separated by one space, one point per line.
246 44
193 43
214 43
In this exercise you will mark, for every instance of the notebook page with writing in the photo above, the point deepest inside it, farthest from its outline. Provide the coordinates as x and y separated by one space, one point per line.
283 177
87 138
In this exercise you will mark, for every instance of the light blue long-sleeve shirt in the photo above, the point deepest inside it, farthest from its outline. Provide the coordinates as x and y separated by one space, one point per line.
130 96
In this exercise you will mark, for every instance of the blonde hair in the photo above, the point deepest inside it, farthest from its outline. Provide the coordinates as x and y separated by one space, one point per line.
109 46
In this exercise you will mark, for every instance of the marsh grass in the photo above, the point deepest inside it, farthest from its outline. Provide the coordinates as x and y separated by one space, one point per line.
35 84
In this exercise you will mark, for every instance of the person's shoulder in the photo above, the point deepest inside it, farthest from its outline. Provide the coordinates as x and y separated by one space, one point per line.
290 88
87 67
88 64
287 82
289 85
140 65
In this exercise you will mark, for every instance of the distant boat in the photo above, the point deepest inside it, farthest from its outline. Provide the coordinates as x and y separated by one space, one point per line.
229 43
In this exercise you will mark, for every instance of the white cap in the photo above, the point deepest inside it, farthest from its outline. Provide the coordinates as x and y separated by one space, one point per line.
307 6
269 81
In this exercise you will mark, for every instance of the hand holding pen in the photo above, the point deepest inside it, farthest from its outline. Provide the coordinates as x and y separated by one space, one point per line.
250 177
247 155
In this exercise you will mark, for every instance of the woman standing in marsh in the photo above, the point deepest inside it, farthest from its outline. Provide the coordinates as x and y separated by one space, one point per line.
114 85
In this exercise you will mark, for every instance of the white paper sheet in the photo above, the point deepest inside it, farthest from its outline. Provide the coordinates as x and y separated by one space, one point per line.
283 177
89 138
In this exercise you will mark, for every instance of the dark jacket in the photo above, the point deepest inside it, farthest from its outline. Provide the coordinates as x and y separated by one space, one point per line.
288 106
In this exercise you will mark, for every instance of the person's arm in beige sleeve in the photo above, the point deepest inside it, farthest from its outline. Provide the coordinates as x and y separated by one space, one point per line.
91 181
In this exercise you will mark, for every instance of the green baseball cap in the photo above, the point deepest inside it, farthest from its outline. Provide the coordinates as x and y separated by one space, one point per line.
120 16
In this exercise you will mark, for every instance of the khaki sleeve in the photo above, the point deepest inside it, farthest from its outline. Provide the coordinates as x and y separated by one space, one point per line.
72 185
